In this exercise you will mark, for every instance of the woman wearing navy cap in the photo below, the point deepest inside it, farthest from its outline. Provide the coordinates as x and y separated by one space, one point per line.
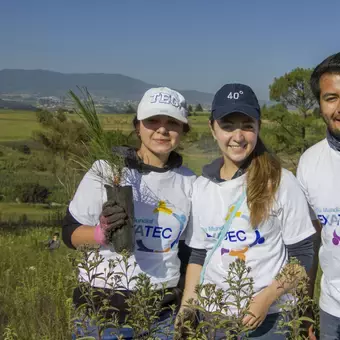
246 206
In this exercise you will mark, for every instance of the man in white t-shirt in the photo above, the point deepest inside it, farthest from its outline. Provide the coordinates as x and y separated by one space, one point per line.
318 172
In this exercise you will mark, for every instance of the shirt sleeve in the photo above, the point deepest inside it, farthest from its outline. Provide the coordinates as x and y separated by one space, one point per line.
303 251
303 184
197 256
88 200
195 235
295 219
70 224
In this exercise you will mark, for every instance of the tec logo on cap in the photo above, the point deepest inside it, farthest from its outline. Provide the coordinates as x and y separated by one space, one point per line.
163 101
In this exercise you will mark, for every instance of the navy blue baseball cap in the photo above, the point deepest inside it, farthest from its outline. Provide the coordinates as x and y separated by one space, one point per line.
232 98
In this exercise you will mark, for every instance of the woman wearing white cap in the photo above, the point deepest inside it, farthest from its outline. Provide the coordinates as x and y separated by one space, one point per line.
161 197
245 206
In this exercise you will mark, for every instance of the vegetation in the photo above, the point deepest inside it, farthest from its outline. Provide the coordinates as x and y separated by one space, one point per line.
293 90
42 283
198 108
38 176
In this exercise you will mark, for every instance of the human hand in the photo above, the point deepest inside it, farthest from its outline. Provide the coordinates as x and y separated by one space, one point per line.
258 310
111 218
311 334
184 314
308 330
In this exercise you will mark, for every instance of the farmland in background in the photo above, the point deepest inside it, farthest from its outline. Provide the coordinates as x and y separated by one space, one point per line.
35 285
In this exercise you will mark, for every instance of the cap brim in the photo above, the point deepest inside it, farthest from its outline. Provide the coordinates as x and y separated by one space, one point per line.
152 113
224 111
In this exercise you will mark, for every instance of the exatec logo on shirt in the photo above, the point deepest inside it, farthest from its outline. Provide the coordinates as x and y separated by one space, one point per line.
146 228
330 217
237 236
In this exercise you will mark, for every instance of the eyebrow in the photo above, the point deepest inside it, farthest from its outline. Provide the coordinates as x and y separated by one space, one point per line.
328 94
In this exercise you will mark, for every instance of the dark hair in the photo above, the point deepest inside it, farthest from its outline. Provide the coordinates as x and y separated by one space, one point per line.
329 65
186 127
56 234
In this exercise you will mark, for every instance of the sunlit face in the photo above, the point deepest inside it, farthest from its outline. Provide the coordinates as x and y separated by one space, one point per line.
160 134
236 135
330 101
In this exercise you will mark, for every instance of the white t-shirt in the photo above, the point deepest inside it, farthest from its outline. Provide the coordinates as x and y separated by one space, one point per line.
263 249
162 203
318 173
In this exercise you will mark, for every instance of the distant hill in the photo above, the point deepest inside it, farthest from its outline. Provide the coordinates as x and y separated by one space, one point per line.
12 105
115 86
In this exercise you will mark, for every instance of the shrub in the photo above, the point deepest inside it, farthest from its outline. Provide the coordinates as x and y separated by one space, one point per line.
32 193
24 149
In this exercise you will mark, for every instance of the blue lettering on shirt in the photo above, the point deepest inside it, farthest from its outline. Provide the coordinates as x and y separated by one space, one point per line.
148 227
239 237
233 236
169 234
330 219
157 232
153 231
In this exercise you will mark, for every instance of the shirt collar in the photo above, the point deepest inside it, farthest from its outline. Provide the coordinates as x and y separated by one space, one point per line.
212 170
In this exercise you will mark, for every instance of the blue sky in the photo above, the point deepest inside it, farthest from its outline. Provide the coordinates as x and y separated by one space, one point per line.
187 44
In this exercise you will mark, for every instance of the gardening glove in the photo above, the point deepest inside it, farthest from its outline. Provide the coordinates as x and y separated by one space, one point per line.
111 218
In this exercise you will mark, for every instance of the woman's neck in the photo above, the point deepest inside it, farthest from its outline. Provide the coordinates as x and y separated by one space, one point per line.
228 169
151 158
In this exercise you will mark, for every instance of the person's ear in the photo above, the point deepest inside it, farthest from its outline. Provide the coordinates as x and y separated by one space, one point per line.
211 127
137 128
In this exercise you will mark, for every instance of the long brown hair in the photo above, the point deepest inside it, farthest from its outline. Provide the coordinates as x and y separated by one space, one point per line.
263 180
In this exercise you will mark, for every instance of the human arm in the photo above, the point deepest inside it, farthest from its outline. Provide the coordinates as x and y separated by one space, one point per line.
88 218
195 240
312 273
303 252
196 261
192 278
297 235
75 234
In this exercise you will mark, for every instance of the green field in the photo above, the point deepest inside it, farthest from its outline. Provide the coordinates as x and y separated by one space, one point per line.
35 285
35 212
19 125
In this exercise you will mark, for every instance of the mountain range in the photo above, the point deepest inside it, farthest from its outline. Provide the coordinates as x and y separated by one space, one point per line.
42 83
115 86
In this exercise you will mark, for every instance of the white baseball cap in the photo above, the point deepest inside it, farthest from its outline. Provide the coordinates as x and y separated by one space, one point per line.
163 101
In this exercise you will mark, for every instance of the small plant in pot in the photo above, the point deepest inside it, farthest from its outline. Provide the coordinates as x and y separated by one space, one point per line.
100 148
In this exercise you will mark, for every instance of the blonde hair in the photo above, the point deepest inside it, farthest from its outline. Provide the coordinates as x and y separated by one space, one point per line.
263 181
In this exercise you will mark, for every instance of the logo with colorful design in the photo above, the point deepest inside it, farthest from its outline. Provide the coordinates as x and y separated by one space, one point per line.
330 220
240 235
159 232
241 253
336 238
